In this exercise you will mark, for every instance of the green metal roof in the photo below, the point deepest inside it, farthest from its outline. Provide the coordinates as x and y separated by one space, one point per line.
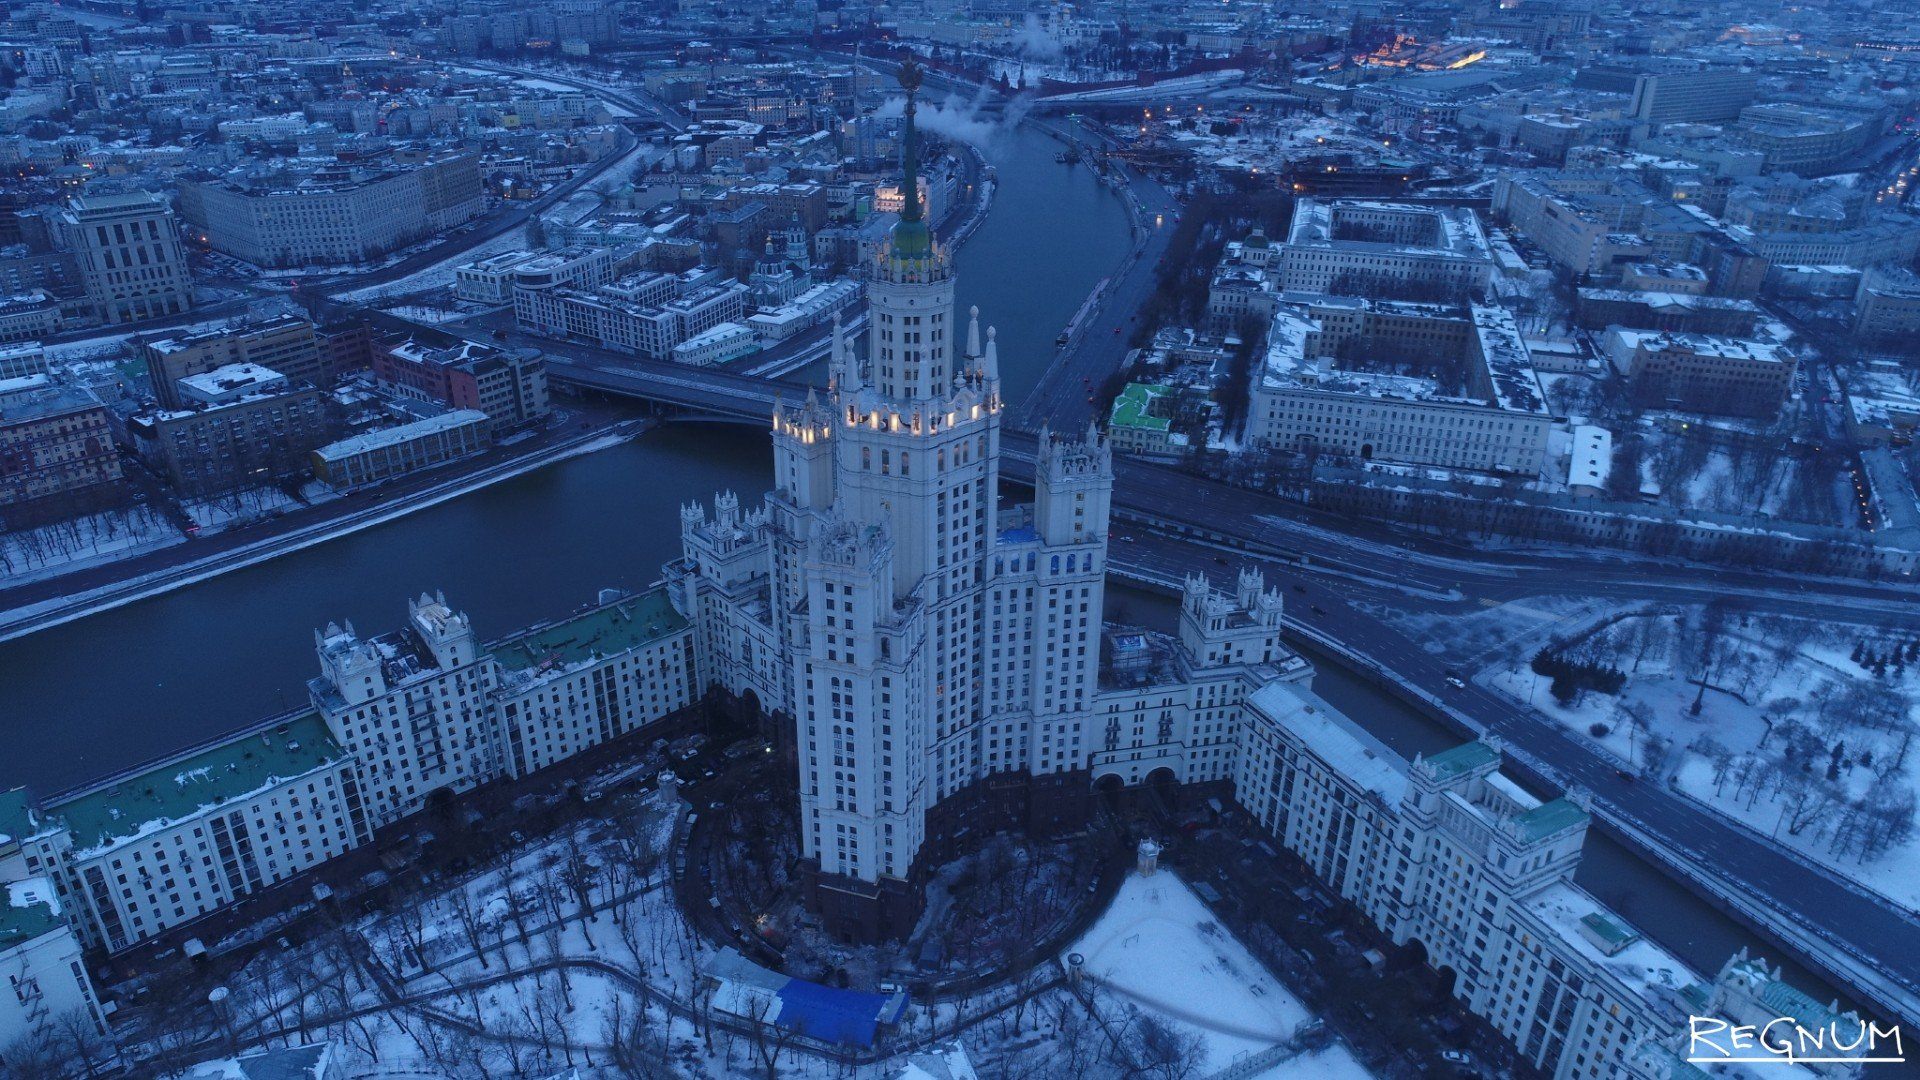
184 786
23 920
1607 929
1461 759
1784 1000
622 625
1550 817
1133 408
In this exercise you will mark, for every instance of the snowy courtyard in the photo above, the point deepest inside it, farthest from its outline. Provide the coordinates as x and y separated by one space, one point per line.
1158 953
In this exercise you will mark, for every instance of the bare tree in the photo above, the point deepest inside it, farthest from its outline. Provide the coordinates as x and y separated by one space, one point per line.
768 1038
1166 1051
84 1041
474 922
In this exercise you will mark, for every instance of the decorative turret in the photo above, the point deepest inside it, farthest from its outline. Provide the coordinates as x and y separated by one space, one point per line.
1073 487
446 633
351 666
803 452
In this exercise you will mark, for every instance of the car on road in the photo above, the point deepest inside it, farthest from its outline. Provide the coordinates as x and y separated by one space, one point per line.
1456 1057
1318 610
1625 775
1456 681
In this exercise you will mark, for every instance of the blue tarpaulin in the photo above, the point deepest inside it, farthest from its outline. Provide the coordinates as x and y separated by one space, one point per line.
822 1012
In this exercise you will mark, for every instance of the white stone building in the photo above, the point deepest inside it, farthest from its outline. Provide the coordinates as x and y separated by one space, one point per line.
128 250
1448 854
1399 245
45 994
934 657
410 707
1494 419
571 685
153 849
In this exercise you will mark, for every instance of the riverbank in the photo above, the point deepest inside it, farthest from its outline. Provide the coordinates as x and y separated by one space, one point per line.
338 518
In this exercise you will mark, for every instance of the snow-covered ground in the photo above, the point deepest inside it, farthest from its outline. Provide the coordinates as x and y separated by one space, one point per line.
30 554
1803 732
1159 949
237 508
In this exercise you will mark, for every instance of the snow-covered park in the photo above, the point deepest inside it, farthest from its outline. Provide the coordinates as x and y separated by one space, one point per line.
1800 730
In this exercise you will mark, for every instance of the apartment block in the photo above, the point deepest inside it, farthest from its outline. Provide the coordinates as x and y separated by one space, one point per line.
53 439
287 344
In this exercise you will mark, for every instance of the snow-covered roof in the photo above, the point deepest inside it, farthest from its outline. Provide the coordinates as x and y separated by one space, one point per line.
1349 749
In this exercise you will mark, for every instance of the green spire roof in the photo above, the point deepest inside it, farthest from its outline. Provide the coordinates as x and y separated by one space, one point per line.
911 237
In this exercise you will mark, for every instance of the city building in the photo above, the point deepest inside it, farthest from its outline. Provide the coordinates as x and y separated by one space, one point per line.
1702 372
1683 93
1357 248
1449 857
509 386
397 451
240 426
21 360
570 685
492 280
129 253
334 214
54 440
646 313
1133 426
152 849
1420 384
48 993
1597 309
30 316
933 658
286 343
1885 310
728 341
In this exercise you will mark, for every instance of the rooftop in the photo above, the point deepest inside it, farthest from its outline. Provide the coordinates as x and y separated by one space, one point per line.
1549 818
1462 759
394 436
28 910
181 787
617 627
1134 408
1352 750
41 401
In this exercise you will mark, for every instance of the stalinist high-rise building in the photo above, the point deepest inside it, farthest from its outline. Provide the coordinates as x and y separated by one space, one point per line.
937 655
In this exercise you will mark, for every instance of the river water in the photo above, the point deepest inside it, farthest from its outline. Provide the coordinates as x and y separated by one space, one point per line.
128 685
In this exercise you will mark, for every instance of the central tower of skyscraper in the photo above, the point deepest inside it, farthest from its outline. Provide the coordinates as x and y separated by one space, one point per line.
934 655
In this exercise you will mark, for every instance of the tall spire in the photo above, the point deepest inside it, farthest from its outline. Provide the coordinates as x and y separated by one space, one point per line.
911 237
909 151
973 331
